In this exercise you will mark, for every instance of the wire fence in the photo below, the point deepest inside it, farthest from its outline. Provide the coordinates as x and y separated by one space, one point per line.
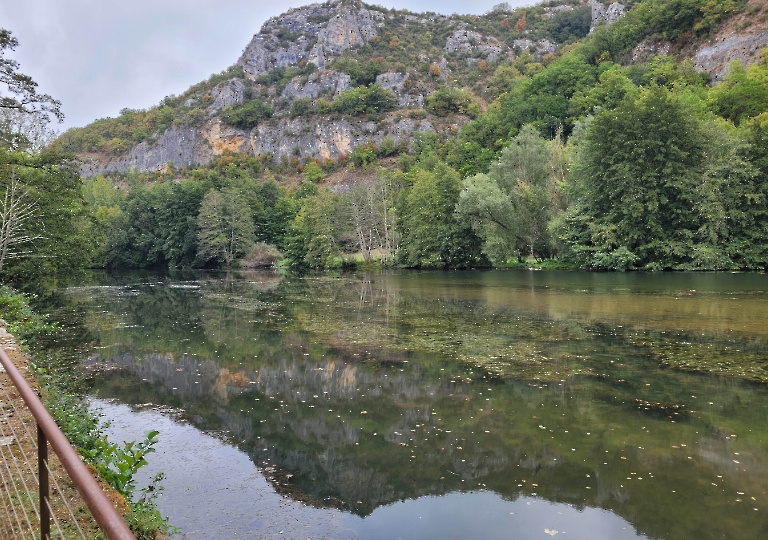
42 498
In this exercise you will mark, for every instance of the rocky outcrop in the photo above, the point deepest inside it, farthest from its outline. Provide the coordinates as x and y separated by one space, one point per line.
328 139
310 33
328 83
607 15
395 83
179 146
227 93
320 138
715 55
646 50
537 48
470 42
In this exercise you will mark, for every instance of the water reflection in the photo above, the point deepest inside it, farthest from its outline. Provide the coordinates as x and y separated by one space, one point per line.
359 392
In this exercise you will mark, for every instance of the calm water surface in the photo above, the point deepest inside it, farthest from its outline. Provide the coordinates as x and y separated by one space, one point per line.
443 405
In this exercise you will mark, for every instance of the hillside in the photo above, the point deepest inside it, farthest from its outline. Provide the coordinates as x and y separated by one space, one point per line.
582 135
300 87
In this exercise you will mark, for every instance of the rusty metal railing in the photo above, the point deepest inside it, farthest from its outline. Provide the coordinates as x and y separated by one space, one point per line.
107 517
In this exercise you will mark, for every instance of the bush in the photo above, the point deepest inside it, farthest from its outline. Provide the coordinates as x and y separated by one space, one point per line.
301 106
248 115
446 100
364 100
313 172
262 256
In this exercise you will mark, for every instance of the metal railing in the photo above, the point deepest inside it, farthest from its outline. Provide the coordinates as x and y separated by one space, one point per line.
17 472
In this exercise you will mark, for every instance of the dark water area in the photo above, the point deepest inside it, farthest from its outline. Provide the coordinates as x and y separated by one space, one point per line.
443 404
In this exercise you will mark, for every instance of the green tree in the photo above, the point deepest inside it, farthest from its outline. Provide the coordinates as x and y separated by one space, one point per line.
510 207
641 164
313 172
248 115
743 93
312 236
431 236
225 227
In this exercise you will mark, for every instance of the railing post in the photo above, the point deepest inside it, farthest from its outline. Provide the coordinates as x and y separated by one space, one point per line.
42 468
111 523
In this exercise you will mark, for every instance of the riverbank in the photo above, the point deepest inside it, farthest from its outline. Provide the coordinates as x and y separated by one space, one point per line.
18 447
62 389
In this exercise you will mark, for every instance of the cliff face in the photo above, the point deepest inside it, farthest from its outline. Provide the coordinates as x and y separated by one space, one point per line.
315 34
317 30
274 70
741 38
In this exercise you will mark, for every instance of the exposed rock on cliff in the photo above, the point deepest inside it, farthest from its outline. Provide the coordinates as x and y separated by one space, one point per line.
469 42
537 48
317 84
308 33
395 83
607 14
180 146
329 139
227 93
320 138
715 55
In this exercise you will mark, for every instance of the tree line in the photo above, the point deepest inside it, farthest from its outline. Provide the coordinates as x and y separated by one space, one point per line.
661 172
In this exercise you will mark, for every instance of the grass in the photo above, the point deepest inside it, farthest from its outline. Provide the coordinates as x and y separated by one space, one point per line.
63 387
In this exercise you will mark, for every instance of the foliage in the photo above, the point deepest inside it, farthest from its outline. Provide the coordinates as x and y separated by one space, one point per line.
246 115
62 397
373 99
41 209
641 161
225 227
313 239
431 237
313 172
22 321
743 94
446 100
20 91
510 207
361 75
117 465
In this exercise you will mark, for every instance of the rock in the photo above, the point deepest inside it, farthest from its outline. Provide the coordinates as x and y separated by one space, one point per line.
469 42
550 12
180 146
309 33
607 15
326 82
328 139
539 48
648 49
395 83
715 55
227 93
347 29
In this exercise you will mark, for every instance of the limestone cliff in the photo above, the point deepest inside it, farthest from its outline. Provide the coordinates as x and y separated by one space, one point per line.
317 34
301 61
741 38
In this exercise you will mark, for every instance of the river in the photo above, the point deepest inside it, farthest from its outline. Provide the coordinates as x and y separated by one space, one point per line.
482 404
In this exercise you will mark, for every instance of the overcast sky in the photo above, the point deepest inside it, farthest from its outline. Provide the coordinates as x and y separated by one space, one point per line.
100 56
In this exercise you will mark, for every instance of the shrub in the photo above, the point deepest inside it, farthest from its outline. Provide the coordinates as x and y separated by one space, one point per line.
262 256
446 100
248 115
301 106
